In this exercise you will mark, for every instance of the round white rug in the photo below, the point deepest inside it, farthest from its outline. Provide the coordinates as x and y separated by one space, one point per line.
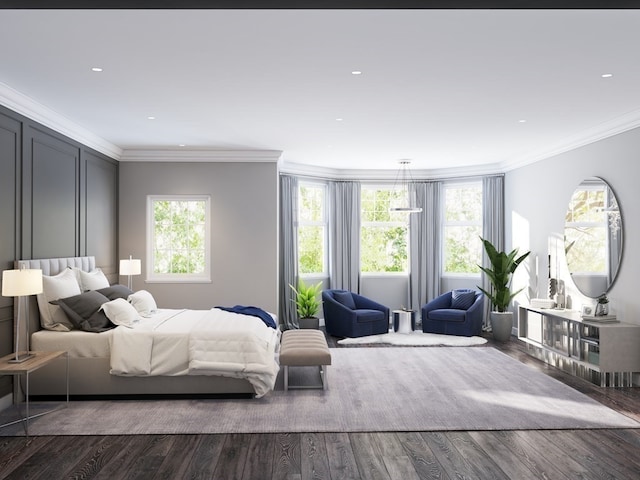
415 339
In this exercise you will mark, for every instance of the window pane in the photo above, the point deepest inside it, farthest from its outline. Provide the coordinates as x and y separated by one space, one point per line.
463 204
375 204
383 249
383 234
179 231
312 229
311 241
462 249
311 204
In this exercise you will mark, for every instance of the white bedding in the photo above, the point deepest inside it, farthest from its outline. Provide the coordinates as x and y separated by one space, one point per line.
198 342
77 343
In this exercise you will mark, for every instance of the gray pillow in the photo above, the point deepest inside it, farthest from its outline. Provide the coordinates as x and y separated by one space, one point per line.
115 291
462 299
84 311
345 298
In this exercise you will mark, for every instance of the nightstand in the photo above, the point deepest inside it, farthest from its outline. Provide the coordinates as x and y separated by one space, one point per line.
38 360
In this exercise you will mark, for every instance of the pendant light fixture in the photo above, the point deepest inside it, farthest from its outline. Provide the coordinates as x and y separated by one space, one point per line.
403 177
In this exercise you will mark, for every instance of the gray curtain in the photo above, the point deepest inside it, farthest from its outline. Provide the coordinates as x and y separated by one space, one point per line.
288 249
424 243
344 235
492 228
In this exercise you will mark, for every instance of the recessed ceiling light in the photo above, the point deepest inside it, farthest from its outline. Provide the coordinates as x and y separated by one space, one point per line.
182 145
151 118
96 69
607 75
339 119
522 121
356 72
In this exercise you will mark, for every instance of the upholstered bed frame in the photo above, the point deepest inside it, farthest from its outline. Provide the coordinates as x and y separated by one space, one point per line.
91 377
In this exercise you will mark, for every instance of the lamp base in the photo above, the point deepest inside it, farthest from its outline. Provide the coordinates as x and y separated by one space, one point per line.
20 359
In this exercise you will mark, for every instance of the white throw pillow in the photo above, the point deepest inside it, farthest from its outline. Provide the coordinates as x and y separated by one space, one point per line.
54 287
93 280
143 302
120 312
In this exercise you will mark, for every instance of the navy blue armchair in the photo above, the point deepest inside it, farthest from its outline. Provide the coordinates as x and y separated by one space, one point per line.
347 314
458 312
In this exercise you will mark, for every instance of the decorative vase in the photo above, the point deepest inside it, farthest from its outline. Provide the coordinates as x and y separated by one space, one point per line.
602 309
501 324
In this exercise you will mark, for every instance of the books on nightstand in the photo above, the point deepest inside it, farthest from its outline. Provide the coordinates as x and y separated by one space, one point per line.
600 318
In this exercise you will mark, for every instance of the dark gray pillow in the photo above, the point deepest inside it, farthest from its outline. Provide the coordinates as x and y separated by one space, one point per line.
84 311
462 299
345 298
115 291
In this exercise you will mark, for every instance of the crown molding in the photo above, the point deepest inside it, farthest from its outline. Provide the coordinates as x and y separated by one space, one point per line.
26 106
618 125
201 155
386 174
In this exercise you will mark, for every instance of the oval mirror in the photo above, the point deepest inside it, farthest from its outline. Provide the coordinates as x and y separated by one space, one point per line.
593 237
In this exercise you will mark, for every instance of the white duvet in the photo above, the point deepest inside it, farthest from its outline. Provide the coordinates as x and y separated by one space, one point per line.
198 342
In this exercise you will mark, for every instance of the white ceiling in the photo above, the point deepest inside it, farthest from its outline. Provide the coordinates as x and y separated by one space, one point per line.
445 88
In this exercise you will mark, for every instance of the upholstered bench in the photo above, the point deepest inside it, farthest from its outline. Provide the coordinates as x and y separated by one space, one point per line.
301 348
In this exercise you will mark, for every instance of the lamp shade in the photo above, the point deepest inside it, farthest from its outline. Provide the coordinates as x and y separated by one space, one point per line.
130 266
16 283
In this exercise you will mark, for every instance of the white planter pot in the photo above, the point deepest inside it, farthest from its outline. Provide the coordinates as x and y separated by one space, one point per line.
501 324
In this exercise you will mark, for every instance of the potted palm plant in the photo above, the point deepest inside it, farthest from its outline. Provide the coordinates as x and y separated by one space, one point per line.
500 274
307 304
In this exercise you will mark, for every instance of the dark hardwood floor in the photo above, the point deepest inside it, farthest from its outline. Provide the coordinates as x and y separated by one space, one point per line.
540 454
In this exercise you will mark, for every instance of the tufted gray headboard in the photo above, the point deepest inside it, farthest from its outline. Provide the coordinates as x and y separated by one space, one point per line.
49 266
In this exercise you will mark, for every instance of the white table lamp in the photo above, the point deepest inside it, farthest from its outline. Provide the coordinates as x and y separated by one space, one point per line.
20 283
129 267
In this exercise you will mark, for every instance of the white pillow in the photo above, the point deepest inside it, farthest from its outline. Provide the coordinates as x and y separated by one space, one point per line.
54 287
93 280
120 312
143 302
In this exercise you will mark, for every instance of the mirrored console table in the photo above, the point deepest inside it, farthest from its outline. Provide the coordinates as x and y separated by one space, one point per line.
607 354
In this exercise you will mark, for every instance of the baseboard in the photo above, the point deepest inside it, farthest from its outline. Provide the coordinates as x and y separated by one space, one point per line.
6 401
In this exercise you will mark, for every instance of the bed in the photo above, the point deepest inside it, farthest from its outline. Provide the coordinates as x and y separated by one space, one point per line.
165 352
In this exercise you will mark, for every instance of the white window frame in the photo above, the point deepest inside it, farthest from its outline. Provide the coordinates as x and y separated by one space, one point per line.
445 224
363 223
153 277
324 223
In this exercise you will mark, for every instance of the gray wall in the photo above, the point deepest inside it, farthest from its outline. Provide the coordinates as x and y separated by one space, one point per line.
58 199
244 229
536 198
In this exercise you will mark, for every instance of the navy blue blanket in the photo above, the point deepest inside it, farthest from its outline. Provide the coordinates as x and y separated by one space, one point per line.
253 311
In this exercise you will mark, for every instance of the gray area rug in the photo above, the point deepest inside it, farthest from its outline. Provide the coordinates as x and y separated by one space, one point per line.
370 390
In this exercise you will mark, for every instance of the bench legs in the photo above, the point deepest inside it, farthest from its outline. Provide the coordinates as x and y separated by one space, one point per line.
323 378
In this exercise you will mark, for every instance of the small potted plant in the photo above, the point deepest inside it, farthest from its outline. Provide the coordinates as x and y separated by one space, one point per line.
307 304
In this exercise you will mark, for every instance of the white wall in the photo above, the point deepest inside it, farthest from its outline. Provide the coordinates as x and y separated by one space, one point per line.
536 198
244 247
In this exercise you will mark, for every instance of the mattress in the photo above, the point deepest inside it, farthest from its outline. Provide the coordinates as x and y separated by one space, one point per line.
79 344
